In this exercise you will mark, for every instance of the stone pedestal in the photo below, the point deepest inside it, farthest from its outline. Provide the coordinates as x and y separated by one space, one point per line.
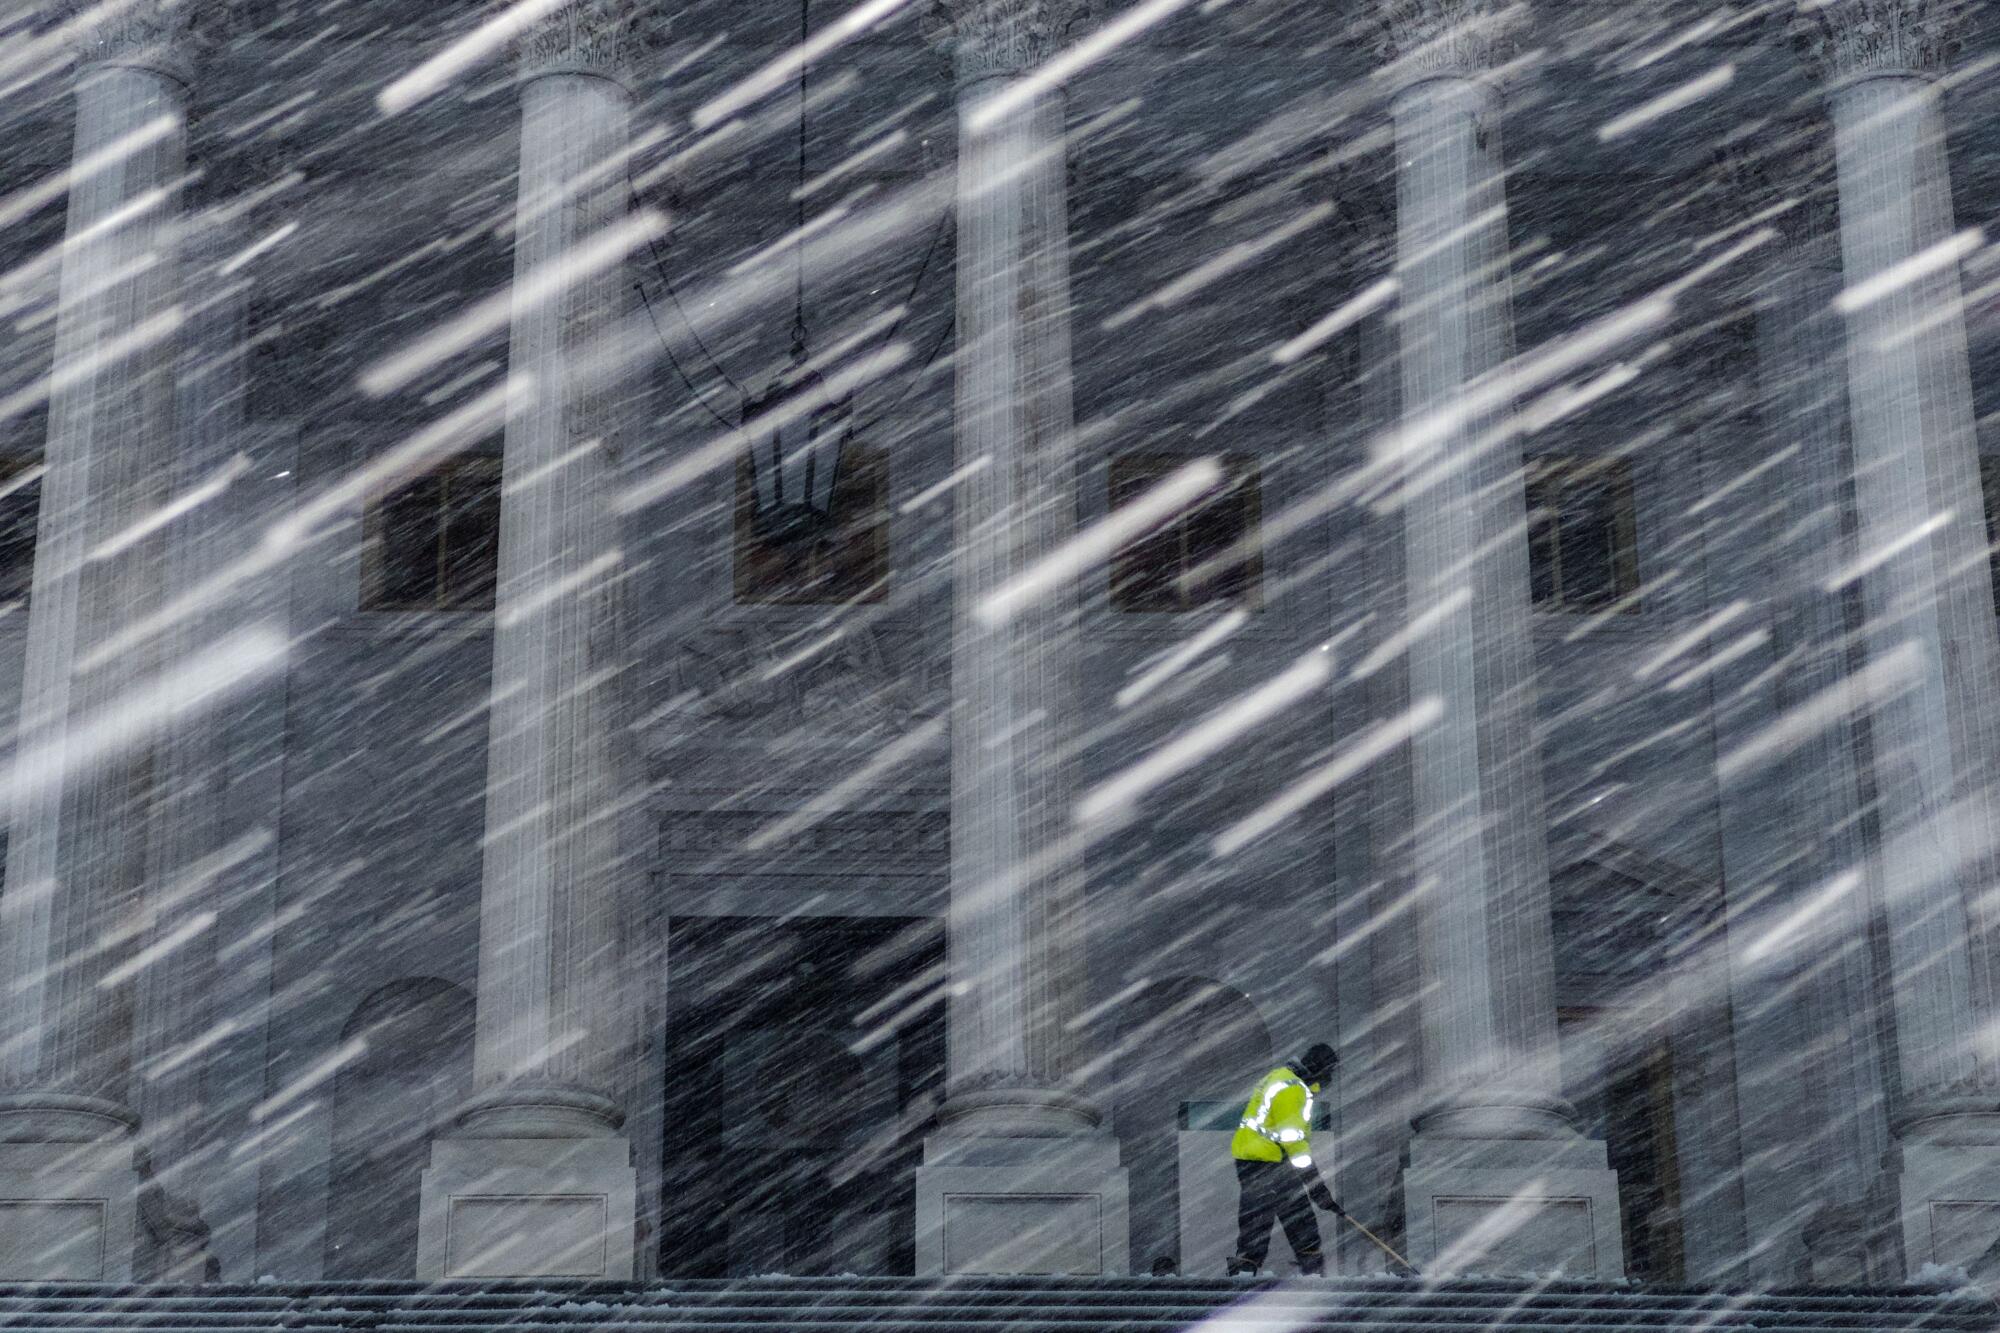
68 1211
1483 1203
1021 1185
1948 1193
527 1207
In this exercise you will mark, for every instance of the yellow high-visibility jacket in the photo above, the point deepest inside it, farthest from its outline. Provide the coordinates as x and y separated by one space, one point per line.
1277 1121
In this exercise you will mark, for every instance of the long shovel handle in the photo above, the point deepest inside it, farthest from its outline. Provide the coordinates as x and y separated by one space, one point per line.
1379 1243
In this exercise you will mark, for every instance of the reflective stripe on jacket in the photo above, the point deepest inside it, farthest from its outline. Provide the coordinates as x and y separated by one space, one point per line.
1277 1121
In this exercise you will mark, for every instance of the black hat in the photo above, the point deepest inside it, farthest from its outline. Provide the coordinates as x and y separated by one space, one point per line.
1317 1063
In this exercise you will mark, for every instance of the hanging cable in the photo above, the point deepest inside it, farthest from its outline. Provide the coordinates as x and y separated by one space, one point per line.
923 267
799 190
937 343
799 282
674 361
660 269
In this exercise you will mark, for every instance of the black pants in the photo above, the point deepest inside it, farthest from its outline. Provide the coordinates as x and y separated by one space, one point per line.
1270 1191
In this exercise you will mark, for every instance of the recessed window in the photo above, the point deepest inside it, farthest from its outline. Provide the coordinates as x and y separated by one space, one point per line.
1582 546
433 540
847 563
20 509
1205 554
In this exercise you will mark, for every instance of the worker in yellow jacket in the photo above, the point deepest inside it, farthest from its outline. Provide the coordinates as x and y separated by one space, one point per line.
1276 1178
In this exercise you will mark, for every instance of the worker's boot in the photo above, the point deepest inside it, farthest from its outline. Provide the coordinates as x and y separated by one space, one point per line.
1311 1263
1241 1267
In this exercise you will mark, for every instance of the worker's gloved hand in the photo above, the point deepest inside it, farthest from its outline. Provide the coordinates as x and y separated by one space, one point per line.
1323 1197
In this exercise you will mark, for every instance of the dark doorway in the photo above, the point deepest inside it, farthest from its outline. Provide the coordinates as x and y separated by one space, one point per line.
804 1056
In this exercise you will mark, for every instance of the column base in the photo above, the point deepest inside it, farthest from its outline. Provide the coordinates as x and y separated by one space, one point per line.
1487 1193
69 1190
1021 1181
529 1187
1948 1193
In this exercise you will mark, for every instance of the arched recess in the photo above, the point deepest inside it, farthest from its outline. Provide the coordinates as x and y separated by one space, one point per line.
1182 1042
414 1070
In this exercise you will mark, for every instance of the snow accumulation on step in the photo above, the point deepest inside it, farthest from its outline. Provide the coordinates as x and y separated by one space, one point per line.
990 1305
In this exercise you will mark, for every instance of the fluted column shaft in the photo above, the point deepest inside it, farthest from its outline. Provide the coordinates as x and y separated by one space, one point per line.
1935 720
1488 1007
76 848
548 1001
1016 904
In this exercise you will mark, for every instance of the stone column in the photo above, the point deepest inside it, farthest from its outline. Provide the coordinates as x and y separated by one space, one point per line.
76 814
535 1178
1934 656
1497 1175
1019 1176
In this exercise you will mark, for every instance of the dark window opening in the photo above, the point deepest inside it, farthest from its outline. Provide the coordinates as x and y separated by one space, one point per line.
848 563
1204 555
1582 536
434 540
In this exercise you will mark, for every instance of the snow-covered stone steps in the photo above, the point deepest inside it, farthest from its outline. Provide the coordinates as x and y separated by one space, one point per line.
985 1305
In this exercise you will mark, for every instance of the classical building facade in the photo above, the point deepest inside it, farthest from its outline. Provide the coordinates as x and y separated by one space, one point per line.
1451 528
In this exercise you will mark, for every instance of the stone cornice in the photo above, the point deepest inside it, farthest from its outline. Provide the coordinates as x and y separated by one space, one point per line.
1856 39
1434 38
146 34
989 39
597 37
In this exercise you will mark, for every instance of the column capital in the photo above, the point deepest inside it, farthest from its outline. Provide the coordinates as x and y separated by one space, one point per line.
998 39
1444 38
1844 40
596 37
146 35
